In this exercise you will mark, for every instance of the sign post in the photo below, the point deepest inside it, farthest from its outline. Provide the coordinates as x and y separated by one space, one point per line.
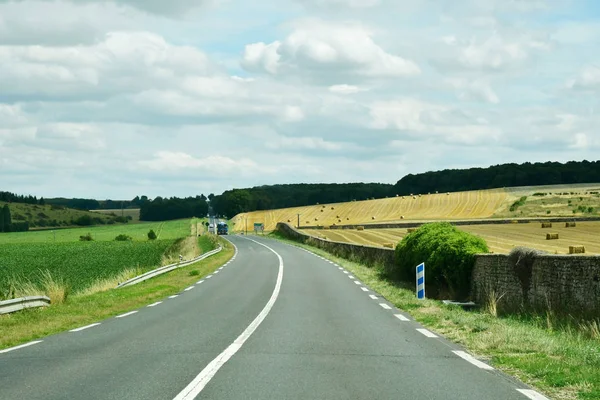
421 281
259 226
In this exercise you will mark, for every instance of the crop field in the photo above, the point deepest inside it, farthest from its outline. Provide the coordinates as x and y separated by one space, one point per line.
460 205
79 263
48 215
500 238
164 230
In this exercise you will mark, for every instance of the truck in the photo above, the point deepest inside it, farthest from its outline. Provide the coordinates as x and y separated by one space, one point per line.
222 228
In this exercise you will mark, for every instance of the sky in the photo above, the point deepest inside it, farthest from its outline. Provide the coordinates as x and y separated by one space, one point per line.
117 98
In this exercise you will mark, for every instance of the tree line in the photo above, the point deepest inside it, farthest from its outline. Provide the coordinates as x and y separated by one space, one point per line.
162 209
9 197
7 224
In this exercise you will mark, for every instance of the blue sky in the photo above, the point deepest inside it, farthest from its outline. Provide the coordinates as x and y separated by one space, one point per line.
115 98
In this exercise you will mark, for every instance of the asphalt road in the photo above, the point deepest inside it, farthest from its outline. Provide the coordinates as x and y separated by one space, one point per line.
277 322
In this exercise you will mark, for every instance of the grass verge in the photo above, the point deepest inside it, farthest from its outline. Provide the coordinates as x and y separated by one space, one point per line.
82 310
562 363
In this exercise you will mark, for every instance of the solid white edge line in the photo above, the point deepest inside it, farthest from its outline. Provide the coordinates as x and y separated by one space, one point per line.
20 347
385 306
373 296
532 394
427 333
401 317
473 360
155 304
83 328
200 382
190 288
364 289
126 315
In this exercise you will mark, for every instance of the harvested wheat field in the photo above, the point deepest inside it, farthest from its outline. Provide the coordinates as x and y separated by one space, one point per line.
501 238
460 205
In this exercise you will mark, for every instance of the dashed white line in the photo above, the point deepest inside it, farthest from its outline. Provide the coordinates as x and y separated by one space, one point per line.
401 317
532 394
216 272
174 296
83 328
341 269
373 296
199 282
346 272
385 306
20 347
351 277
472 360
155 304
364 289
208 277
427 333
358 282
127 314
190 288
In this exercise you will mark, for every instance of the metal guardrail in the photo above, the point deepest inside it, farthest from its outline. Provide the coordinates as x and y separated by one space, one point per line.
14 305
166 268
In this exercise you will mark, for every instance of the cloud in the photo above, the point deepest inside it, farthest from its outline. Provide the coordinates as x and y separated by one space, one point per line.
168 161
307 143
474 90
587 79
358 4
327 51
345 89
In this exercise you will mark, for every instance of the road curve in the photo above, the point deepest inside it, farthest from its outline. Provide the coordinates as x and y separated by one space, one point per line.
277 322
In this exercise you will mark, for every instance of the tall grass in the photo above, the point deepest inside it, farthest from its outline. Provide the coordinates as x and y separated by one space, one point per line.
47 285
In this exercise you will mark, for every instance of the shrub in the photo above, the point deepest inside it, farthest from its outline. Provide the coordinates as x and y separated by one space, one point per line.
123 238
86 238
448 254
518 203
194 273
84 220
152 235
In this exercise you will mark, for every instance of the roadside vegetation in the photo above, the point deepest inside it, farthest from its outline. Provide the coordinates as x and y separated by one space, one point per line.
89 307
558 355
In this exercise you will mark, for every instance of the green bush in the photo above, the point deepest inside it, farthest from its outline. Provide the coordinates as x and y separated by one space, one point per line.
152 235
448 254
86 238
123 238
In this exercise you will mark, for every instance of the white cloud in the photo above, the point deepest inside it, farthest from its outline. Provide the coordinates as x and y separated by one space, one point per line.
327 51
359 4
216 164
588 78
474 90
345 89
308 143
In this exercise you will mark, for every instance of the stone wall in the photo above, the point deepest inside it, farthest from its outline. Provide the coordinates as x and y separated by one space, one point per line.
562 283
368 255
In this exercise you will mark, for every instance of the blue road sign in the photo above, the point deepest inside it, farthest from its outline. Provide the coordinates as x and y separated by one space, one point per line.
421 281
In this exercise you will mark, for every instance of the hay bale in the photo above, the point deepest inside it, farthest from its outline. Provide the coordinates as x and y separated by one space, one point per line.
414 197
316 219
333 208
372 217
411 230
339 220
551 236
546 224
347 218
402 217
289 220
448 194
360 228
326 228
514 221
396 195
337 216
323 206
570 224
389 245
576 249
321 210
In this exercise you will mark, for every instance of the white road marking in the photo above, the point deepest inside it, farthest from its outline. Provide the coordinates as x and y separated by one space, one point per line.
199 282
532 394
373 296
385 306
155 304
216 272
341 269
83 328
401 317
200 382
330 262
208 277
190 288
358 282
364 289
472 360
351 277
346 272
127 315
174 297
427 333
20 347
221 268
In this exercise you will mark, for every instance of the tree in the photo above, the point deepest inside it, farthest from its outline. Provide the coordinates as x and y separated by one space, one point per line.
152 235
7 218
1 221
42 202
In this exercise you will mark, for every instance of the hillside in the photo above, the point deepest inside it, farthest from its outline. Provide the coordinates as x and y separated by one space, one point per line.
41 216
480 204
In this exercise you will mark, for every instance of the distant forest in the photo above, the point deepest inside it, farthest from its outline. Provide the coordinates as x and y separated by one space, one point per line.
235 201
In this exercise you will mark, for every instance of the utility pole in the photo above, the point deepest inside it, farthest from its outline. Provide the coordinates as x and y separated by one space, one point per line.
298 221
246 226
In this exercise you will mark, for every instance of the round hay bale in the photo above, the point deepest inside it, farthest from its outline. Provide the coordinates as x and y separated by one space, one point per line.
372 217
402 217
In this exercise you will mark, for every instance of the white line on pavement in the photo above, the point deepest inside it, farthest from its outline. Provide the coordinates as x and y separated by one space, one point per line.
216 272
155 304
472 360
20 347
200 382
357 282
373 296
364 289
126 315
174 297
427 333
208 277
83 328
346 272
351 277
385 306
532 394
341 269
190 288
401 317
199 282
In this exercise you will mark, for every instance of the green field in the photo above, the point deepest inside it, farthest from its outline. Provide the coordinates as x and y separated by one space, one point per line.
25 256
164 230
